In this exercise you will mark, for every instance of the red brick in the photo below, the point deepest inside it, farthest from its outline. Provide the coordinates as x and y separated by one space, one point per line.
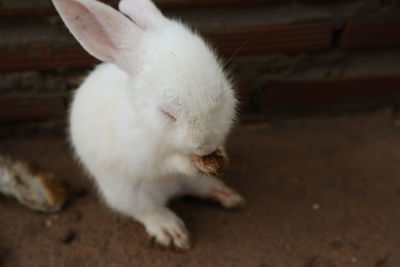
368 34
274 39
28 109
40 57
243 42
308 94
163 5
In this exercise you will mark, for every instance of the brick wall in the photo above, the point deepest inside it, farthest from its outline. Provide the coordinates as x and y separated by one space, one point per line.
286 55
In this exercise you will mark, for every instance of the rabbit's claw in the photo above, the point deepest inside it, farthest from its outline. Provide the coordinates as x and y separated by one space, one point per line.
168 231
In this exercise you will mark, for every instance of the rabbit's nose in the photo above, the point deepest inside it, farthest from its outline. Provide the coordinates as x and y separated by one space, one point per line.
203 150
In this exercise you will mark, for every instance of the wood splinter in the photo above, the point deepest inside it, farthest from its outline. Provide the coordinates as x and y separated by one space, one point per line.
213 163
32 188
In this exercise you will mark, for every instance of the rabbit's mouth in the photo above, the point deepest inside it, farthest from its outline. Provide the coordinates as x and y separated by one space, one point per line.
204 150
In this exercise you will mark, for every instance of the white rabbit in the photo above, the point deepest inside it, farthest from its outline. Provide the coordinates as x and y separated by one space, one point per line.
138 119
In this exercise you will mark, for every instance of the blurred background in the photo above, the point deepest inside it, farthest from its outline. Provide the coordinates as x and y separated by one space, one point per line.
302 55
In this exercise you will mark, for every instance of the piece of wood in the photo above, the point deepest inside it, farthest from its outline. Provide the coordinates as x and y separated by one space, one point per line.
213 164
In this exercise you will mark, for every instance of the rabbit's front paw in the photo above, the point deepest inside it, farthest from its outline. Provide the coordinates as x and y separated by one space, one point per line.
167 230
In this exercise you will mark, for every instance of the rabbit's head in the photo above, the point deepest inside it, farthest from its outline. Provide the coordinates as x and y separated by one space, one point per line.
184 94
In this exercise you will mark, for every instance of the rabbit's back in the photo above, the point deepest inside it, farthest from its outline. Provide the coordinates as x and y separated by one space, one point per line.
97 120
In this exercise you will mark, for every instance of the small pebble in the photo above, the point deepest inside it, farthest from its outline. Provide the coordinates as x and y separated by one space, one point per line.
353 260
48 223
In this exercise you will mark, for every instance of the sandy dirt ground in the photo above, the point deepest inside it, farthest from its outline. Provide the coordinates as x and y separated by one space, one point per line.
321 192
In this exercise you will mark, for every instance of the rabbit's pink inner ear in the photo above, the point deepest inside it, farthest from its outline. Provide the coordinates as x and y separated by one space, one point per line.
104 32
143 12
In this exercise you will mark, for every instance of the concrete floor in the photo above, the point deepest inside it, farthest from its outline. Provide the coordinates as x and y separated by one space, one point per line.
320 192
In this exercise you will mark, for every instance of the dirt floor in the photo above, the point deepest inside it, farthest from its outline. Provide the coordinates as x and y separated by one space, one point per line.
321 192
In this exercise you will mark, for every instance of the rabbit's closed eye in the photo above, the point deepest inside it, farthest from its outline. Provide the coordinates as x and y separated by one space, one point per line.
168 115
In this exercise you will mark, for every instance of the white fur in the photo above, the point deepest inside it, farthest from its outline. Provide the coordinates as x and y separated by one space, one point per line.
138 156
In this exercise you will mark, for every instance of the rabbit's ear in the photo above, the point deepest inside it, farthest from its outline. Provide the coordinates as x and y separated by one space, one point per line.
102 31
143 12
